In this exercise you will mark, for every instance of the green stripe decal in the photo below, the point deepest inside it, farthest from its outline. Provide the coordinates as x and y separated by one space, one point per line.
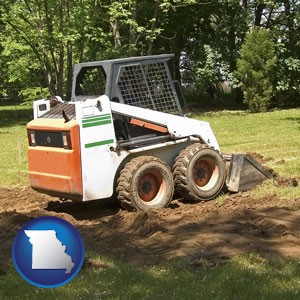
98 123
100 143
97 118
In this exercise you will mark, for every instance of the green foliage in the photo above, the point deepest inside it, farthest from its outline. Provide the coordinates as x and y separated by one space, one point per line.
20 70
255 69
40 41
288 80
215 32
209 71
34 93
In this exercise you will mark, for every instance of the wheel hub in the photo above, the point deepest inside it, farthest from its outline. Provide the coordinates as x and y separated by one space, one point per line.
148 187
202 173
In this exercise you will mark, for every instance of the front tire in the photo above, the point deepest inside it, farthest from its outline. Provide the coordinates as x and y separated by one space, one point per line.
199 173
145 183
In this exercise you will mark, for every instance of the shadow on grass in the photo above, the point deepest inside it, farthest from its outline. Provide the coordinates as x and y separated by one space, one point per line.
171 281
15 115
293 119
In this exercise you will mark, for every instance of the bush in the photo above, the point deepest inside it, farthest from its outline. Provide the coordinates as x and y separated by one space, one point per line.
255 69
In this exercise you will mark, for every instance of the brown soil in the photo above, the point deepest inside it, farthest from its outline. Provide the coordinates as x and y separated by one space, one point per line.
208 230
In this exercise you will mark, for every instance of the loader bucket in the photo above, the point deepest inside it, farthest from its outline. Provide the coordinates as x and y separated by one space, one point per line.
245 173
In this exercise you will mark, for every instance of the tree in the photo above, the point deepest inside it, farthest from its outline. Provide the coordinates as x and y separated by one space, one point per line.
255 69
210 39
282 17
40 40
52 35
44 32
44 38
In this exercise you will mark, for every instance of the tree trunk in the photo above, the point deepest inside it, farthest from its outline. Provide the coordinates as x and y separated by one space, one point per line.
244 3
153 26
132 30
60 73
258 14
116 33
47 74
69 70
290 21
239 96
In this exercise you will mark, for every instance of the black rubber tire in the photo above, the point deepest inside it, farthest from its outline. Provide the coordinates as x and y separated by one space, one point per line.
199 173
145 182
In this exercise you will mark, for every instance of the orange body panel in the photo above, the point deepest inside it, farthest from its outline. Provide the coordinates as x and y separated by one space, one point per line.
56 171
148 125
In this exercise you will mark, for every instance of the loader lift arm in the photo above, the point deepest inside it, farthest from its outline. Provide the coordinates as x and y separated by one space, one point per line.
175 126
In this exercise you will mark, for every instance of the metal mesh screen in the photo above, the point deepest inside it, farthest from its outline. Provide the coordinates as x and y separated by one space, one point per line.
91 82
147 86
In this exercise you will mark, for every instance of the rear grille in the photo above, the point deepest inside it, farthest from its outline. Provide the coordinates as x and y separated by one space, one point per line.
49 139
56 112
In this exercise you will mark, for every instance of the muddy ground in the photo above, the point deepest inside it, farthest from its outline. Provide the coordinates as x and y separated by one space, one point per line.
210 230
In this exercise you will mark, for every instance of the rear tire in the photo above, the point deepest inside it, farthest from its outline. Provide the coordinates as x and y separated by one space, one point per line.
199 173
145 183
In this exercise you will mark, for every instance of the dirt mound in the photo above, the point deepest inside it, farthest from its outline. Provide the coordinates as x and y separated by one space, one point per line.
292 182
209 230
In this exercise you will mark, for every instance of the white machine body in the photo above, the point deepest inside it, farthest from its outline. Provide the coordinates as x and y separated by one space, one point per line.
101 156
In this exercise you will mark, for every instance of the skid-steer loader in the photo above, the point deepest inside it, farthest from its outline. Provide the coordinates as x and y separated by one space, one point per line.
123 134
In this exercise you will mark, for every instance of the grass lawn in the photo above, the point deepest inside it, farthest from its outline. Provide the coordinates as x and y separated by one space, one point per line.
243 277
275 135
13 145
